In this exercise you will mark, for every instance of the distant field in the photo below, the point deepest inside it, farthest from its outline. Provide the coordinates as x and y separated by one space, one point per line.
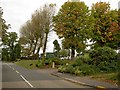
29 64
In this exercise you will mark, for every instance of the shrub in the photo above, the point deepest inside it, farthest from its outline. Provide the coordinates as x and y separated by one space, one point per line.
102 54
62 69
66 69
64 62
85 58
50 60
39 64
77 62
56 60
77 71
108 67
70 69
87 69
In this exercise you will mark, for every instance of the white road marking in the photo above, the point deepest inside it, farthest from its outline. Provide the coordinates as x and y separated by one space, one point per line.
13 68
26 81
17 71
21 76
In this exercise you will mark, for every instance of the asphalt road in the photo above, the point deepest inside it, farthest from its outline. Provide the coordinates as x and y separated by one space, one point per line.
14 76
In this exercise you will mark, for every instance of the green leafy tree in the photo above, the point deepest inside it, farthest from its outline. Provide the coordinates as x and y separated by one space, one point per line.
17 50
106 30
1 21
3 36
11 49
56 48
5 54
74 24
3 25
64 53
12 37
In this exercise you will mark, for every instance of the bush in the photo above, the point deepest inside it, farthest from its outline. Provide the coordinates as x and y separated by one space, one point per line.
102 54
77 71
87 69
64 62
108 67
39 64
104 58
56 60
62 69
101 60
66 69
77 62
70 69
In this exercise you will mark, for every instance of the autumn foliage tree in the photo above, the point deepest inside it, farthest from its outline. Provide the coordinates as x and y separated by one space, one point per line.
106 29
73 23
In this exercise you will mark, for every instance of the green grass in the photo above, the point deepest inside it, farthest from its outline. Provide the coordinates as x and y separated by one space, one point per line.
29 64
109 77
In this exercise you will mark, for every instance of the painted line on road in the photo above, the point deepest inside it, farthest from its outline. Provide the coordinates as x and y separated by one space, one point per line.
21 76
101 87
26 81
17 71
13 68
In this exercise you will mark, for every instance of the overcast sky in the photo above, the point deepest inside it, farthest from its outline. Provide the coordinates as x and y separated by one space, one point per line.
17 12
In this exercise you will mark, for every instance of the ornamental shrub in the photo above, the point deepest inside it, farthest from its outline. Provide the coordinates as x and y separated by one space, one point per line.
102 54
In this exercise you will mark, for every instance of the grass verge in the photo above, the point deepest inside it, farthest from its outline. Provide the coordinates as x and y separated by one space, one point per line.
109 77
29 64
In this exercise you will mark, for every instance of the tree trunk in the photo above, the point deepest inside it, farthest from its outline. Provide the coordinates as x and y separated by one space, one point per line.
72 54
35 46
44 48
39 46
29 53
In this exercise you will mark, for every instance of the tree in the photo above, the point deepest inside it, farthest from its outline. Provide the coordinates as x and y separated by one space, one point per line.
17 50
38 23
11 49
56 47
106 31
64 53
1 21
3 25
27 38
3 36
48 13
35 31
13 46
3 28
74 24
9 43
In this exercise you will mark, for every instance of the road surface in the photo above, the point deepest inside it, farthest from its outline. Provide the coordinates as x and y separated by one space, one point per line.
14 76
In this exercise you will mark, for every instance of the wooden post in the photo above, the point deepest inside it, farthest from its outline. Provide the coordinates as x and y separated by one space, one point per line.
53 65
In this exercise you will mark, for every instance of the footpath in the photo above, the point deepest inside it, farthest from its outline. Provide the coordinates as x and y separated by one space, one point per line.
86 81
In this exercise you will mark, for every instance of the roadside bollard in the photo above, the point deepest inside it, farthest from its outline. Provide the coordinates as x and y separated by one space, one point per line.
53 65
